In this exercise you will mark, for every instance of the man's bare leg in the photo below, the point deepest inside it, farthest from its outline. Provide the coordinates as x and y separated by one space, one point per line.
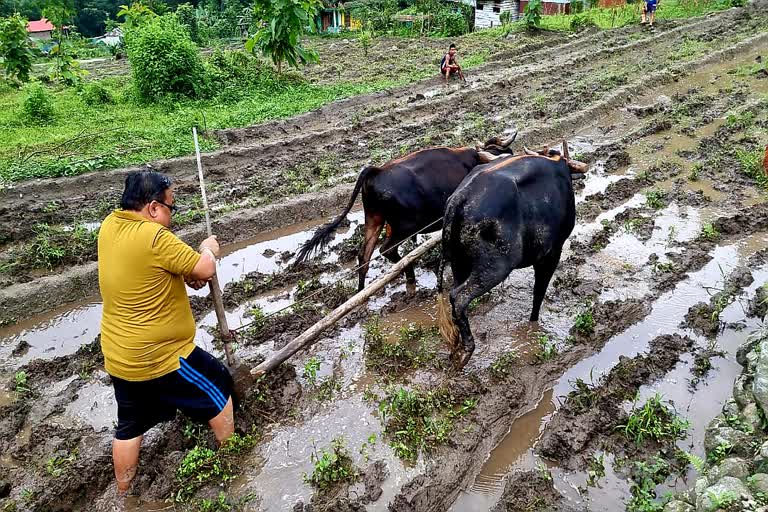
447 74
125 456
223 424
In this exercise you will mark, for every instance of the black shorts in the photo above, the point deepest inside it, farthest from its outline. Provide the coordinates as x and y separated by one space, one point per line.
200 389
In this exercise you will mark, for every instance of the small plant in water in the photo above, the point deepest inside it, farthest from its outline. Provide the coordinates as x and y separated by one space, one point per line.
20 382
655 199
501 366
585 322
655 421
596 469
710 232
310 370
57 464
547 349
331 467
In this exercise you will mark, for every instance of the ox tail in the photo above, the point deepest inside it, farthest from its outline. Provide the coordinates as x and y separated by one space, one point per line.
322 236
448 329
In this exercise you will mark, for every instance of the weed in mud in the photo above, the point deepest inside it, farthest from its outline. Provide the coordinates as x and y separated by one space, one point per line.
595 469
585 321
51 247
258 319
695 172
310 370
720 452
656 199
58 464
631 225
331 467
583 395
544 471
414 347
654 421
740 121
501 366
738 422
20 384
722 500
644 477
202 466
478 300
720 302
328 388
751 163
219 504
687 49
663 267
547 349
710 232
419 420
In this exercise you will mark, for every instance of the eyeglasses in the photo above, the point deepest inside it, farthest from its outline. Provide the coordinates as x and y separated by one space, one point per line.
171 207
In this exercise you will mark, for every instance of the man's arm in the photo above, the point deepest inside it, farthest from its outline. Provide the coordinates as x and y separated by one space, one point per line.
206 265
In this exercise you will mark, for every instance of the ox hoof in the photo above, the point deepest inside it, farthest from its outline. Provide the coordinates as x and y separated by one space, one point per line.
410 289
459 359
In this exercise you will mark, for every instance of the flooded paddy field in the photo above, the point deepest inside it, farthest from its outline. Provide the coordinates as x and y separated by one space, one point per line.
660 283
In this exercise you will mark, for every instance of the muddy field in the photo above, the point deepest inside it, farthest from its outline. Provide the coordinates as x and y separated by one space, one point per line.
659 284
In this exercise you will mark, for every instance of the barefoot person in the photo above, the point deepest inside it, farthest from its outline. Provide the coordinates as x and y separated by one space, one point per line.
147 327
449 65
649 11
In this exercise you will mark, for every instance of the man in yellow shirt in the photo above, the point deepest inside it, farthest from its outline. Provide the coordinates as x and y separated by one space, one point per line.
147 327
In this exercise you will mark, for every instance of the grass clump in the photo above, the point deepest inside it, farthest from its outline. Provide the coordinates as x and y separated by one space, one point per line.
202 466
583 395
419 420
644 477
310 370
710 232
96 94
500 367
656 199
751 163
414 347
585 320
547 349
52 246
37 108
331 467
654 421
20 383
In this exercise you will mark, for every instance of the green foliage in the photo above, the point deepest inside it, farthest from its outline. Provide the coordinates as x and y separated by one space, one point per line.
331 468
202 465
505 18
135 15
740 121
501 366
185 13
582 397
695 172
58 464
417 420
164 60
546 348
365 41
285 22
722 500
37 108
219 504
720 452
310 370
596 469
64 68
414 347
15 52
694 460
532 16
751 163
645 476
585 321
710 232
580 22
95 94
654 421
656 199
20 382
51 247
376 15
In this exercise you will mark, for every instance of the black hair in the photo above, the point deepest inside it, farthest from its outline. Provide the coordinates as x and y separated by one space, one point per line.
143 187
452 47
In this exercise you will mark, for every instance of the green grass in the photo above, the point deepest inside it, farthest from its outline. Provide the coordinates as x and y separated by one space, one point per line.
710 232
51 247
654 421
331 467
415 346
420 420
585 321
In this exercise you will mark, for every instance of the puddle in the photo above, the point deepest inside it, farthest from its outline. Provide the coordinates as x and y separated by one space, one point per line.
666 314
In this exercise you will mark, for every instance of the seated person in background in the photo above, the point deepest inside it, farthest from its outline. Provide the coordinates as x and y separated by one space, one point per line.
449 65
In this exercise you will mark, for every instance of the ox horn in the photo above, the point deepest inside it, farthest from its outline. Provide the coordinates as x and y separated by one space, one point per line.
486 157
529 152
565 150
507 142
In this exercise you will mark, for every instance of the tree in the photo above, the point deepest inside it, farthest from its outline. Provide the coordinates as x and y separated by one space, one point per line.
283 22
59 12
135 15
15 52
185 13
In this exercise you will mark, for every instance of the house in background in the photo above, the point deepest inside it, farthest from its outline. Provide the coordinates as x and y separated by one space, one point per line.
111 38
333 19
488 12
40 29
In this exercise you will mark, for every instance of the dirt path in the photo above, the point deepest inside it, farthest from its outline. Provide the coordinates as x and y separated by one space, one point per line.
667 217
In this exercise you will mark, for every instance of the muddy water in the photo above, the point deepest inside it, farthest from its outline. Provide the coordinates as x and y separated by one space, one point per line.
62 331
667 313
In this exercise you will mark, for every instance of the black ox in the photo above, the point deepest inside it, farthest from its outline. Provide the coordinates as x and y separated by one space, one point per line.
513 213
409 196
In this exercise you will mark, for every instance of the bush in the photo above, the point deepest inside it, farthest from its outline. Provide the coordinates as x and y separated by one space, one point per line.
15 52
581 21
38 106
185 13
164 60
532 16
96 94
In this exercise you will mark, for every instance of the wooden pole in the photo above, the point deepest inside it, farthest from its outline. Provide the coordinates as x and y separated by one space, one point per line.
311 334
218 302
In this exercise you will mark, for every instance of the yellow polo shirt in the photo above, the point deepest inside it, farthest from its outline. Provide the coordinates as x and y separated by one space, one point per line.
147 323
